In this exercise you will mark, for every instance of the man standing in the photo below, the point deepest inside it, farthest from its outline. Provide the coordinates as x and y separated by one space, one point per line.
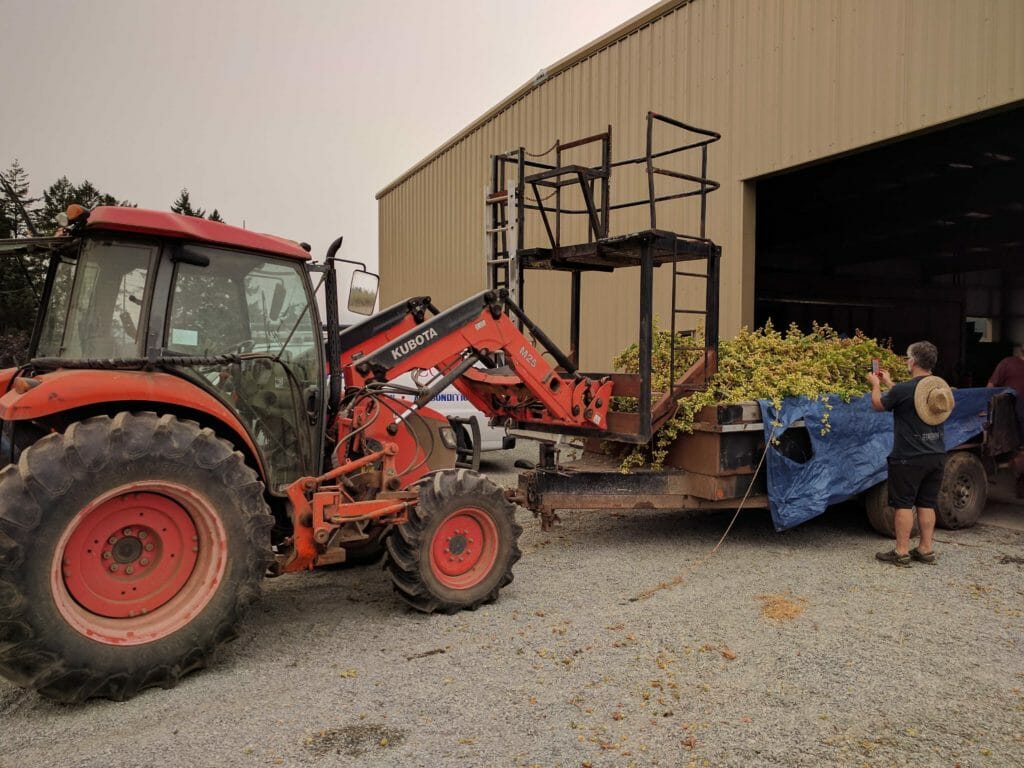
919 408
1010 373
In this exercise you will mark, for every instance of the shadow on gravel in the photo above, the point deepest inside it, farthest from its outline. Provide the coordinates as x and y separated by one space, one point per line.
612 528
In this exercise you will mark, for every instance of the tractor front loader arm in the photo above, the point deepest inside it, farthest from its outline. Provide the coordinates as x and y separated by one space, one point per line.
362 338
531 390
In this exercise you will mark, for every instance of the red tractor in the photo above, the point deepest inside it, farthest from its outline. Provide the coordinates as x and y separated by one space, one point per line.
180 433
187 425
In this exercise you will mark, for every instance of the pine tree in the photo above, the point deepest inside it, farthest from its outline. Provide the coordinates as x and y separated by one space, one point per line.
183 205
215 216
21 276
62 193
12 222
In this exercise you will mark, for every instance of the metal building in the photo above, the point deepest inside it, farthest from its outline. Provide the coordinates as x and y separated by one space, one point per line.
871 169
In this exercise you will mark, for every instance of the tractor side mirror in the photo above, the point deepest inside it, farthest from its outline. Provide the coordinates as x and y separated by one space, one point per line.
277 301
362 292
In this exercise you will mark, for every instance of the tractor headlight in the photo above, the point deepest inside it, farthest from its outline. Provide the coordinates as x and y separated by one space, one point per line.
448 438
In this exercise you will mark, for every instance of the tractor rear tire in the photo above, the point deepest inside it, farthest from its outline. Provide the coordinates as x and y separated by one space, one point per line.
458 548
963 493
129 548
881 516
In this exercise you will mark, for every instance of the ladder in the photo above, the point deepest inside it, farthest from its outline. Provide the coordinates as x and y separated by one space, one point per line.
502 232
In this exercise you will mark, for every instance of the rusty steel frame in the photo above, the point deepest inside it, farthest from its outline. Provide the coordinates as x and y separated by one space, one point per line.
646 250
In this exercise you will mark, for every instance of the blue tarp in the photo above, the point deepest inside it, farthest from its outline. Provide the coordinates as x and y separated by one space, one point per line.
850 457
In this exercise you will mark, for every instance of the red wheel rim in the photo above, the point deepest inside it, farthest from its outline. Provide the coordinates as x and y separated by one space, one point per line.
464 548
138 563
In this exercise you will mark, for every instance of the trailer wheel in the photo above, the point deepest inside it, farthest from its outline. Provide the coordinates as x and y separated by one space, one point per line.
881 516
129 547
964 491
458 547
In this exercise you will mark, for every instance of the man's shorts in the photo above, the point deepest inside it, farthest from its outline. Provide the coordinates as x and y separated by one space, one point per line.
916 482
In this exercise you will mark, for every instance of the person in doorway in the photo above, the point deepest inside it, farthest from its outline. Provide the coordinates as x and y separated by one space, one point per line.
919 408
1010 373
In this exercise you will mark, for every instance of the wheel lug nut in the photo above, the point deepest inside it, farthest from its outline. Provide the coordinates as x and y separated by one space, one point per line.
127 531
149 547
107 555
113 567
112 540
142 534
129 570
144 561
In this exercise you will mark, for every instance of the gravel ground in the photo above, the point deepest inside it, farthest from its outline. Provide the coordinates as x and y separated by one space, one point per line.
619 643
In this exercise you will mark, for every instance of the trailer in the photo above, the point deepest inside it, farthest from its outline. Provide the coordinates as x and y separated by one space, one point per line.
721 465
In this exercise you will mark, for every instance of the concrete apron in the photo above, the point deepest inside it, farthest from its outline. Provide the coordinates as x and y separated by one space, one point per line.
1004 509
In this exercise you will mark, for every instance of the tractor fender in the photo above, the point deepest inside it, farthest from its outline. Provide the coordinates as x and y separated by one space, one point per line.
68 390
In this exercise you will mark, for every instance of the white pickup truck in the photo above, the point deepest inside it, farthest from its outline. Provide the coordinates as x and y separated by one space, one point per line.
471 425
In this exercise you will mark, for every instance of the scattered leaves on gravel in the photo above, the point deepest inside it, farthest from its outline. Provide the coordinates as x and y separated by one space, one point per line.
354 740
782 606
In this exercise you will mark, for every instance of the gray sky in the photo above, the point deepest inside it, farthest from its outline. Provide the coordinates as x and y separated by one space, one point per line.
287 115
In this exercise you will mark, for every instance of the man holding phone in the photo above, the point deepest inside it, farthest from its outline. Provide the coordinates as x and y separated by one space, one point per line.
919 408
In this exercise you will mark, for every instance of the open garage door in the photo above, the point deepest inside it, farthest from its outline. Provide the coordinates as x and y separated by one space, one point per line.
922 238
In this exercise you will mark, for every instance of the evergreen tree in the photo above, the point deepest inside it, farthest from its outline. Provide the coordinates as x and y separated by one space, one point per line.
215 216
12 222
183 205
21 276
62 193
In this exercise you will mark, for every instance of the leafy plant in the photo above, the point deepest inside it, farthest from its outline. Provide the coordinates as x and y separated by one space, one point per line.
763 364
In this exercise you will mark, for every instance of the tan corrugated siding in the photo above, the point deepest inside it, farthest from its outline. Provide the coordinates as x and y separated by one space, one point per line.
786 82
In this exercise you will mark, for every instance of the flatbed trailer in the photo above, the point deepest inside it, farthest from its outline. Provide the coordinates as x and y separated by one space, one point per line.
718 466
715 467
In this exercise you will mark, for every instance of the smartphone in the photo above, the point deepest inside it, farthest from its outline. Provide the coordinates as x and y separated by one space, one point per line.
874 365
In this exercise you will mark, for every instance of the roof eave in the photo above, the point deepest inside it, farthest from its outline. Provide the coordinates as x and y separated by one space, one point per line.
620 32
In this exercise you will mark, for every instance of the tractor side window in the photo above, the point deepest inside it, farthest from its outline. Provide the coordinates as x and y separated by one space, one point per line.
208 315
55 320
282 320
106 301
229 302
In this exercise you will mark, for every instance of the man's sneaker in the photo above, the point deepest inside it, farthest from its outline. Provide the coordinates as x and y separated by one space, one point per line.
922 557
892 556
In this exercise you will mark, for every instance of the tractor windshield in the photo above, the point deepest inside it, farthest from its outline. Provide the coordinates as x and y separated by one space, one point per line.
95 302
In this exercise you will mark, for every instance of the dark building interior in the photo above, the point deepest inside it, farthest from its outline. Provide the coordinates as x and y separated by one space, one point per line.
921 238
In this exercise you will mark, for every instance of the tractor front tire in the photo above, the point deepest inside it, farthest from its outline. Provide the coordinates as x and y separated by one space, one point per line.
963 493
129 548
458 548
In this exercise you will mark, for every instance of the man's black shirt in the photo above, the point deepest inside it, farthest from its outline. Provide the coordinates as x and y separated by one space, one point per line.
911 437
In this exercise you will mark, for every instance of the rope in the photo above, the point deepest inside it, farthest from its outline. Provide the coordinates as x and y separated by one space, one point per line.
681 576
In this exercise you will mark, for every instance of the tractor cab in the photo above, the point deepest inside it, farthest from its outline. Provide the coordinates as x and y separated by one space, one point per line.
232 312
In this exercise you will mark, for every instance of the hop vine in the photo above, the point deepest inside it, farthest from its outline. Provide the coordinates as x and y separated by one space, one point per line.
763 364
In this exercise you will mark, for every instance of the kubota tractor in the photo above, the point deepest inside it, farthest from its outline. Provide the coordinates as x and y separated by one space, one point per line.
180 433
182 430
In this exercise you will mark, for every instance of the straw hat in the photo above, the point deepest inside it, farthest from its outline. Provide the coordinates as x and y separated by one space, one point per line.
933 400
